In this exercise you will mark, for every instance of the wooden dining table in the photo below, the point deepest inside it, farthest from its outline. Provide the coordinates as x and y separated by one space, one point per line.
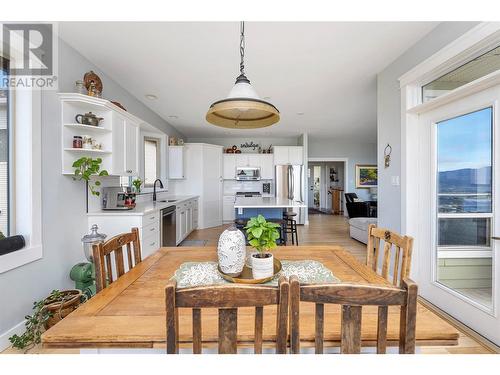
130 313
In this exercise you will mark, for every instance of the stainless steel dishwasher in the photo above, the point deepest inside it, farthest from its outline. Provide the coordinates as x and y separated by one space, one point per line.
168 232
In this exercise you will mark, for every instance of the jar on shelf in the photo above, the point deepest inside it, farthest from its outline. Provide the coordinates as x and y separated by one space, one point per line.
80 88
77 141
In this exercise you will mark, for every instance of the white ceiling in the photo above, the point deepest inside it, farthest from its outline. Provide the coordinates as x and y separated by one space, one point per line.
325 70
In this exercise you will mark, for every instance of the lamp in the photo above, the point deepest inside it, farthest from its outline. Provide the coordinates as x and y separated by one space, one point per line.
242 109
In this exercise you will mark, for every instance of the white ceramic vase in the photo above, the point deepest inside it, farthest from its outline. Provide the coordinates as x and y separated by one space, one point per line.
262 267
231 251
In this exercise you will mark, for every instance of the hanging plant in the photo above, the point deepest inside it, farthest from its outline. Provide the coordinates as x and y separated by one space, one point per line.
87 167
46 313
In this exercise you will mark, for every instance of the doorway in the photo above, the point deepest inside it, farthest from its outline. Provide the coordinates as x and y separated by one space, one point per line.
459 155
326 185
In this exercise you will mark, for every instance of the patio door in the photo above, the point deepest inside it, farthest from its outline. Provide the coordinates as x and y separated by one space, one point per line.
459 210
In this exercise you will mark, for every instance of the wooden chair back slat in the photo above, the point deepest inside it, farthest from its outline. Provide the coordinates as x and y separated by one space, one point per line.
352 297
102 257
259 326
129 254
319 328
228 325
227 299
294 318
402 256
350 330
382 329
196 331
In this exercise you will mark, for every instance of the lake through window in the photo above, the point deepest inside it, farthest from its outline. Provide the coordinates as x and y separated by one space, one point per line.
4 151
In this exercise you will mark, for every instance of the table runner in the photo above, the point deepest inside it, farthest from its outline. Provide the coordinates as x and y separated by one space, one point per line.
191 274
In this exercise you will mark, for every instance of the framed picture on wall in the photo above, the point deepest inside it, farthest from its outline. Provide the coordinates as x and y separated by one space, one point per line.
366 176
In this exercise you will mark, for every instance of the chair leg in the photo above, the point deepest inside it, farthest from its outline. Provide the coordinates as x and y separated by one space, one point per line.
296 233
292 231
284 232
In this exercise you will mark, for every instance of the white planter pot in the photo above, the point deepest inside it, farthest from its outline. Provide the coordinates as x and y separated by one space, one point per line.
231 251
262 267
250 252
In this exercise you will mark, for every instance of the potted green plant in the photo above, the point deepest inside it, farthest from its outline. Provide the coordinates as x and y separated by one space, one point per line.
85 168
137 183
262 236
47 312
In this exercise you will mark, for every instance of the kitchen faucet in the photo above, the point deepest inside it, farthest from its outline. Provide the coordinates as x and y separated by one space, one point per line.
154 188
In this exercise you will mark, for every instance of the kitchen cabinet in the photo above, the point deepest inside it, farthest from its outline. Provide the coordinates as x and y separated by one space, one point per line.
229 166
186 217
228 209
266 166
293 155
263 161
125 147
203 176
176 161
148 225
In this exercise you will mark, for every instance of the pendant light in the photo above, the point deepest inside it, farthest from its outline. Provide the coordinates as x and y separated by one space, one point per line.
242 109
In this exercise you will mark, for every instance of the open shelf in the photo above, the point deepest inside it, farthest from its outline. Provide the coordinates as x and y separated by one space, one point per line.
86 150
77 126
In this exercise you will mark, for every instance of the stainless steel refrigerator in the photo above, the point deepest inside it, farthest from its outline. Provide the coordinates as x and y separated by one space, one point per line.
290 185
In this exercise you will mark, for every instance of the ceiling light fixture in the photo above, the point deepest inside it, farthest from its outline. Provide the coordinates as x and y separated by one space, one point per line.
242 109
151 96
173 116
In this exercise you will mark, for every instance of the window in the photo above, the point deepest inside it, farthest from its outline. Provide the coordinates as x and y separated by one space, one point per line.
464 202
151 160
479 67
4 151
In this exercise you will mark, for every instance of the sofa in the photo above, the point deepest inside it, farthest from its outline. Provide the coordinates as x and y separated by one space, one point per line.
358 208
358 227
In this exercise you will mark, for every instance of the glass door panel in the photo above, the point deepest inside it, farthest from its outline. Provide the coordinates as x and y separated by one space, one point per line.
464 205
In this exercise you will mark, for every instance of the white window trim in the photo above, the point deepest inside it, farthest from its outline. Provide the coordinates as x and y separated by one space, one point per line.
25 178
163 160
473 43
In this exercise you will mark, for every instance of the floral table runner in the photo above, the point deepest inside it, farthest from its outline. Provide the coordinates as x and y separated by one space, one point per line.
192 274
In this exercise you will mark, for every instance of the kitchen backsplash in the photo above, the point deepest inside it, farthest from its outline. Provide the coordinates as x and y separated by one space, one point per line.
233 186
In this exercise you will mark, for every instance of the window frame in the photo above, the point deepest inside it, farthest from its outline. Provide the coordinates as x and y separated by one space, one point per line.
158 157
163 158
25 163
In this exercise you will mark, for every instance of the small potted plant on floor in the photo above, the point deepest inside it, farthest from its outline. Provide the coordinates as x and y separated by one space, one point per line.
262 236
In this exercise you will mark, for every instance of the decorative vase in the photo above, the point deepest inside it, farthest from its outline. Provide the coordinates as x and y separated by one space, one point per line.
262 267
231 251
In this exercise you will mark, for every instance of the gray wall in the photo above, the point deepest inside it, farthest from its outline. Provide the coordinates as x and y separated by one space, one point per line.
64 219
357 153
389 115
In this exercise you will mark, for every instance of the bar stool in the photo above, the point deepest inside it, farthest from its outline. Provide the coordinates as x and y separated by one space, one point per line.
291 226
282 230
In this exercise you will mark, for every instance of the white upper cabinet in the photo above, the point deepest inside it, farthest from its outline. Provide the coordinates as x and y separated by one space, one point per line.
266 166
176 161
125 147
296 155
254 160
241 160
293 155
229 166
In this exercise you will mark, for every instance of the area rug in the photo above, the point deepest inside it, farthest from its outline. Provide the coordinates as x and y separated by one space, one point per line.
192 243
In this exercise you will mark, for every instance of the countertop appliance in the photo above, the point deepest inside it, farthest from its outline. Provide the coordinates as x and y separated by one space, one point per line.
168 227
248 194
114 198
248 173
290 185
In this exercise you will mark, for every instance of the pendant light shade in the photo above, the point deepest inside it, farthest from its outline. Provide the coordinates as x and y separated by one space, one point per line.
242 109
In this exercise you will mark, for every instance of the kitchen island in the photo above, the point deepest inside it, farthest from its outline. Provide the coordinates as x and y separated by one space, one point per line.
269 207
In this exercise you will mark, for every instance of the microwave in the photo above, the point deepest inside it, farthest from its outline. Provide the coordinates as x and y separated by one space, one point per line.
247 173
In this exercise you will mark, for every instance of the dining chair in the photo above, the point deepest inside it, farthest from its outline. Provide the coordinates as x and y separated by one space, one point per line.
352 298
102 257
401 259
227 299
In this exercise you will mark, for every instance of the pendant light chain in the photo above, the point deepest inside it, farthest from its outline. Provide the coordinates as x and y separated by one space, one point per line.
242 47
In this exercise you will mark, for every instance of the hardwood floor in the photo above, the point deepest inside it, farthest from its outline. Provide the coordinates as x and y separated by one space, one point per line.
322 229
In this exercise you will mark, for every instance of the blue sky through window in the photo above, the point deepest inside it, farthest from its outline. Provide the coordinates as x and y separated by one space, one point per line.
465 141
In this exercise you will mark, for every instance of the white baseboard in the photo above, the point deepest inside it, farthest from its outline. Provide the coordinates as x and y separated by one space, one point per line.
18 329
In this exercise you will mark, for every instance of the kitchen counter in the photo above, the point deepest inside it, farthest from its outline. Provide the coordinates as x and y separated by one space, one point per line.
266 202
144 208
